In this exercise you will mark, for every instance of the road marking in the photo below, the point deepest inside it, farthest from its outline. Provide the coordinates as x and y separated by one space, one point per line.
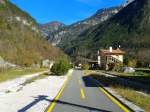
81 89
58 95
112 98
82 93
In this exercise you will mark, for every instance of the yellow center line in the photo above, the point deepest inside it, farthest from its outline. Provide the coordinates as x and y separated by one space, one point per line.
81 89
82 93
114 100
50 108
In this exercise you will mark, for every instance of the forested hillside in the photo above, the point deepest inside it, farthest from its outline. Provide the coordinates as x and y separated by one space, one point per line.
20 39
129 28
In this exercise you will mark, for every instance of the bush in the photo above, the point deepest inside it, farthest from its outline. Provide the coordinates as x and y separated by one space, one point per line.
85 67
61 67
118 67
132 63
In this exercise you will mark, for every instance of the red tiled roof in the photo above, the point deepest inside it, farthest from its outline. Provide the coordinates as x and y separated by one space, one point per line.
116 51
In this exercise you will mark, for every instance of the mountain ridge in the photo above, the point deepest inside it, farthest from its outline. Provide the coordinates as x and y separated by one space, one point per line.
72 31
130 25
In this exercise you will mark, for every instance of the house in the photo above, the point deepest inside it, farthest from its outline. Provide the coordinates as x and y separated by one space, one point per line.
110 57
47 63
93 65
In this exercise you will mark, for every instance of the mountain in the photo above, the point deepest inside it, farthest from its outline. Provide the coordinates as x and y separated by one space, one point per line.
127 2
68 33
21 42
51 27
129 28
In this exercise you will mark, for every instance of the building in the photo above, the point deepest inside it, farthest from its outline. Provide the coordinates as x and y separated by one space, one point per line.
110 57
47 63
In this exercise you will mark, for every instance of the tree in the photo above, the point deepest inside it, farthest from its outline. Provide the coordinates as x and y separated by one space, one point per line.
143 57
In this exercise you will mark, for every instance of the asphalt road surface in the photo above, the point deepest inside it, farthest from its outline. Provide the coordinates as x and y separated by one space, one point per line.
81 94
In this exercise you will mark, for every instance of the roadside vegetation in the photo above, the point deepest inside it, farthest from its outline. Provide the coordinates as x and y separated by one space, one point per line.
61 67
137 76
85 67
122 89
137 98
15 73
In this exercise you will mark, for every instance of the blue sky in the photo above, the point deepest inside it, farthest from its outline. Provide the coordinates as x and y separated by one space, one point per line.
66 11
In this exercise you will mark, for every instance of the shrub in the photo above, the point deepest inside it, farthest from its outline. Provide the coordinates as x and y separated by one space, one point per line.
132 63
61 67
85 67
118 67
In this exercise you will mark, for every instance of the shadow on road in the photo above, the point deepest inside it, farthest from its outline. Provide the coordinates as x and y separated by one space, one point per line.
42 97
36 100
88 81
114 81
90 109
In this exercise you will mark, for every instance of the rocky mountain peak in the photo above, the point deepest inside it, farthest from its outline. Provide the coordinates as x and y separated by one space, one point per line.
54 24
51 27
58 33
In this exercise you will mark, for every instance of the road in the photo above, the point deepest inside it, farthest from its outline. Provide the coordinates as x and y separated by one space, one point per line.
81 94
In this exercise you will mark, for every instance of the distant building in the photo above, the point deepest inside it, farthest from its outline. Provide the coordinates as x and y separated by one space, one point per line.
47 63
107 57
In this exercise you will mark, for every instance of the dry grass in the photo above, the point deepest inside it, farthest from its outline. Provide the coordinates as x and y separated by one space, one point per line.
129 74
14 73
87 72
133 96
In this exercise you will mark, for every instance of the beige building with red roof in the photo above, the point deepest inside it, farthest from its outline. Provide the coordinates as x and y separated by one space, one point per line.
107 57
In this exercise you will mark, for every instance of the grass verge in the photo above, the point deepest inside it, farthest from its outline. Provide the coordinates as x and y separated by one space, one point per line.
130 74
15 73
133 96
136 76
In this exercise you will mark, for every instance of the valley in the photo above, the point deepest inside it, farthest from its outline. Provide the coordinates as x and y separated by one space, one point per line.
75 56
